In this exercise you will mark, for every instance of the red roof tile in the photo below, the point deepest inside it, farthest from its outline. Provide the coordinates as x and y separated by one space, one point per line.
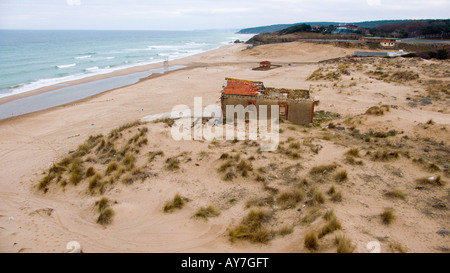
241 87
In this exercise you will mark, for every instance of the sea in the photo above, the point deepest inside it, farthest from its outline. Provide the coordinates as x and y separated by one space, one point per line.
32 59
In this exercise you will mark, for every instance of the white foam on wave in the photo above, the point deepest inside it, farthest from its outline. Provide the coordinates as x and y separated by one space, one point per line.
92 68
181 51
83 57
66 65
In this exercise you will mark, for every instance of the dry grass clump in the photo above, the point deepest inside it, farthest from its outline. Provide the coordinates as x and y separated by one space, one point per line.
384 155
244 167
432 181
206 212
311 242
252 227
397 247
229 176
320 74
351 160
332 224
153 155
129 160
76 172
290 198
285 230
353 152
172 163
378 110
387 216
112 166
90 172
323 169
106 213
178 202
311 215
317 197
344 244
341 176
336 197
396 193
167 121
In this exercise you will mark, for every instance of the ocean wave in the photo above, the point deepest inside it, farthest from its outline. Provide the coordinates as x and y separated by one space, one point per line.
66 65
161 52
91 68
83 57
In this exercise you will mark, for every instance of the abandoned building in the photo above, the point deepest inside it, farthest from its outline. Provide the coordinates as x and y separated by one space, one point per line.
266 65
295 105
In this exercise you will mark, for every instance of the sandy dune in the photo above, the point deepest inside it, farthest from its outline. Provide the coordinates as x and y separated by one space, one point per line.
31 221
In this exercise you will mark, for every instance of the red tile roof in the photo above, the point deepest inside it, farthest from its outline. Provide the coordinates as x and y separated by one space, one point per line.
241 87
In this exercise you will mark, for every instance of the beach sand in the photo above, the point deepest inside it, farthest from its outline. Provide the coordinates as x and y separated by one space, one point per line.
31 221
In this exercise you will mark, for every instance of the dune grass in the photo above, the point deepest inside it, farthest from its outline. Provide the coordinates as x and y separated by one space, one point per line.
388 216
252 227
207 212
177 202
311 242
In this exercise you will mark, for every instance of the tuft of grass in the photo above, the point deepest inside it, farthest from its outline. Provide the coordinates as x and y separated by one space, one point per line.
344 244
311 216
252 227
112 166
323 169
229 176
102 204
172 164
90 172
341 176
384 155
285 230
294 145
177 202
206 212
95 182
289 199
244 167
106 213
397 193
105 217
351 160
317 197
332 224
388 216
225 156
153 155
167 121
76 173
353 152
397 247
227 164
336 197
44 183
129 160
311 242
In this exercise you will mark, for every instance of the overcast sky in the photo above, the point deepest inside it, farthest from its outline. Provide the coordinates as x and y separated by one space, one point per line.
205 14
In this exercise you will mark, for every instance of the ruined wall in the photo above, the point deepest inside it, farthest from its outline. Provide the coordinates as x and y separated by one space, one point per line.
298 112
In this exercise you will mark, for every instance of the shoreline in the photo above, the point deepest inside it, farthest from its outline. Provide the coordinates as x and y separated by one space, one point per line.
185 61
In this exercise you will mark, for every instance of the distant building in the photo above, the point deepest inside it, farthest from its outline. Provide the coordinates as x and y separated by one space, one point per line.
266 65
295 105
387 42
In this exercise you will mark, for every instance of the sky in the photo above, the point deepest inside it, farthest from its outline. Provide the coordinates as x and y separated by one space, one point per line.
205 14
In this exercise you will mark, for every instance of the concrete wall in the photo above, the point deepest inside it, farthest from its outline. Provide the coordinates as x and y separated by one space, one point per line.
299 112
